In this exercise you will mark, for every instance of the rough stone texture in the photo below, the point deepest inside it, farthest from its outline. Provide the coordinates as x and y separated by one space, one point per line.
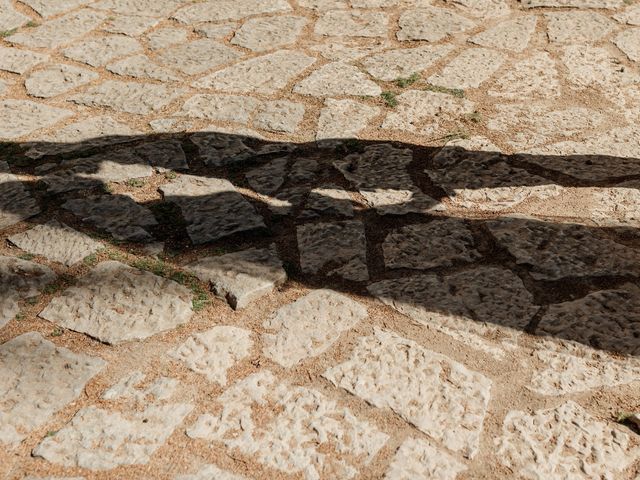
344 119
16 60
38 379
119 215
395 64
309 326
279 116
216 30
165 37
352 23
209 472
220 107
151 8
577 27
57 79
508 35
326 201
16 204
98 439
101 51
128 97
611 4
380 174
10 18
439 396
57 242
23 117
212 207
215 351
589 66
569 250
629 16
469 69
424 246
563 442
198 56
629 42
217 10
268 33
418 458
265 74
145 304
292 435
241 277
217 148
535 76
132 25
49 8
484 8
338 246
141 66
431 24
129 388
164 155
60 31
335 79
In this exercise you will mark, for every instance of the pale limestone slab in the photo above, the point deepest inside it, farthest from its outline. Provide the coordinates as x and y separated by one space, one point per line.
279 116
629 42
418 458
343 119
165 37
431 24
268 33
57 79
221 107
131 25
19 118
469 69
198 56
395 64
150 8
577 27
352 23
19 61
100 51
209 472
10 18
534 77
508 35
336 79
141 66
218 10
49 8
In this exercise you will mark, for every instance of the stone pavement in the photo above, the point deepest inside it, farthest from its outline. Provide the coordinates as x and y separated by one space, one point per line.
319 239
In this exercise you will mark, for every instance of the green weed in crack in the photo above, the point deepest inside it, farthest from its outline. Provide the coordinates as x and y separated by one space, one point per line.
405 82
456 92
389 98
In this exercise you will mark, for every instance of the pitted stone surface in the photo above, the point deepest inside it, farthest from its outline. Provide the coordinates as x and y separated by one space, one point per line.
215 11
484 8
435 244
151 8
335 79
212 207
16 204
57 79
241 277
101 51
630 15
220 148
165 37
439 396
216 30
577 27
57 242
265 74
418 458
535 76
629 42
431 24
141 66
340 246
328 200
215 351
16 60
268 33
220 107
198 56
342 119
509 35
292 435
395 64
469 69
49 8
38 379
129 388
352 23
131 25
309 326
116 303
209 472
10 18
23 117
611 4
588 66
279 116
380 174
565 441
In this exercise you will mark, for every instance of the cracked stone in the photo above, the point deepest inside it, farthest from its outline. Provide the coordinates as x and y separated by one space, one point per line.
484 8
268 178
309 326
352 23
57 79
431 24
23 117
469 69
577 27
418 458
16 204
198 56
509 35
19 61
343 119
394 64
335 79
268 33
629 16
141 66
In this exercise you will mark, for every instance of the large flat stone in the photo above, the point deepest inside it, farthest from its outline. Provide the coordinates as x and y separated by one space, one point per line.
353 23
336 79
116 303
57 79
198 56
38 380
151 8
608 4
402 63
141 66
431 24
418 458
269 33
23 117
629 42
16 203
49 8
209 472
469 69
99 52
19 61
218 10
509 35
533 77
221 107
10 18
219 148
577 27
343 119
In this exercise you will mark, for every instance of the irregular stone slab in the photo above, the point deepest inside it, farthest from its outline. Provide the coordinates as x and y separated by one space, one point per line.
310 422
96 170
565 441
60 31
115 303
335 79
131 25
101 51
19 61
129 388
57 79
119 215
165 37
469 69
215 351
309 326
268 178
215 30
380 175
212 207
352 23
208 472
629 42
279 116
198 56
609 4
343 119
218 10
98 439
614 207
10 18
347 50
329 200
606 319
241 277
431 24
418 458
220 107
435 244
629 16
438 396
57 242
23 117
535 76
577 27
217 148
49 8
322 5
265 74
484 8
424 113
268 33
164 155
555 251
509 35
38 380
141 66
85 134
340 246
588 66
394 64
149 8
16 204
129 97
20 279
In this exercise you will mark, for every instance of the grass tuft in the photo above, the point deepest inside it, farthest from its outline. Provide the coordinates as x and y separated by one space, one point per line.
389 98
456 92
410 80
